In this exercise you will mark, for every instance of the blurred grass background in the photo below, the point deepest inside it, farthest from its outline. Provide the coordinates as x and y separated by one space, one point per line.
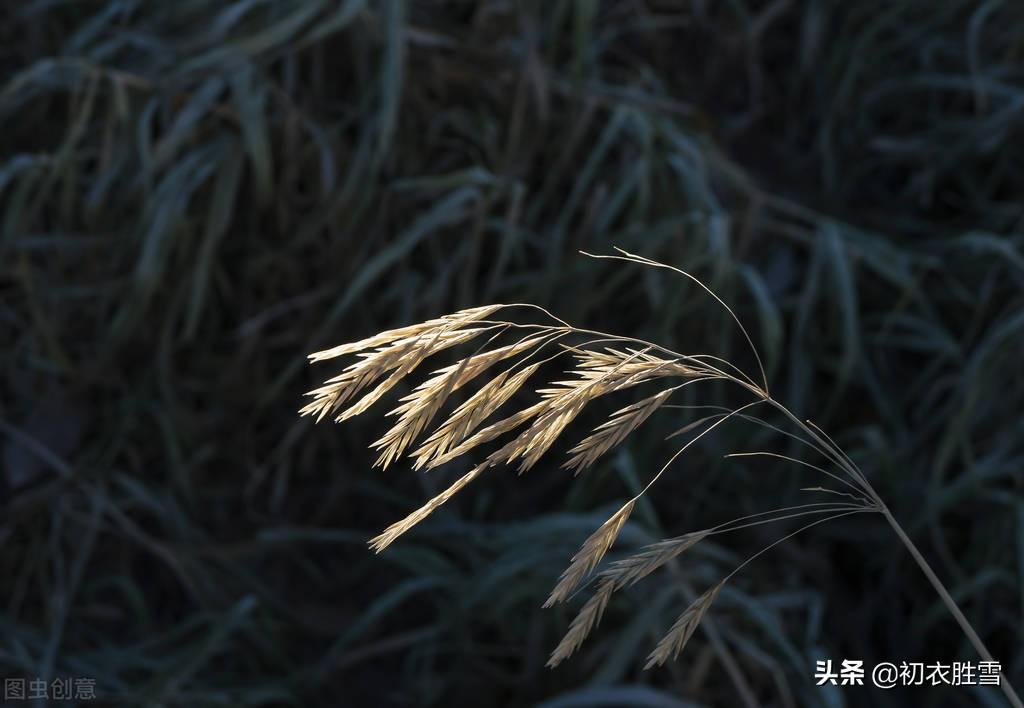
195 195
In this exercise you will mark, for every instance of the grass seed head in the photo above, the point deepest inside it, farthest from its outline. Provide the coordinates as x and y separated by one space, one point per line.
590 554
673 643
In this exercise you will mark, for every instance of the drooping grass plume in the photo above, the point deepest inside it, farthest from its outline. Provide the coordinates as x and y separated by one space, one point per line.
604 365
155 153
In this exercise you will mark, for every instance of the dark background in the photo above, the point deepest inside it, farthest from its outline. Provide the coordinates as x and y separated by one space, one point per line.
195 195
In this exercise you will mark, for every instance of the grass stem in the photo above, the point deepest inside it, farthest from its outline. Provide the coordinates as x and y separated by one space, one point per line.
947 600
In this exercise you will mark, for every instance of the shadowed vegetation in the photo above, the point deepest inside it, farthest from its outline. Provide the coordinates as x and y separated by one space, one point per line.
193 196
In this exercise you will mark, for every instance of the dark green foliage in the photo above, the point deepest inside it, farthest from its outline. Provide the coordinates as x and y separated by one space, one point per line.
195 195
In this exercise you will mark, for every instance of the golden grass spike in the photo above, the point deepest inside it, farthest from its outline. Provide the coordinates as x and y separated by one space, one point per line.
590 554
582 624
489 433
392 532
387 357
674 642
533 442
400 358
563 404
420 406
628 571
620 574
355 377
457 426
614 431
411 331
468 417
